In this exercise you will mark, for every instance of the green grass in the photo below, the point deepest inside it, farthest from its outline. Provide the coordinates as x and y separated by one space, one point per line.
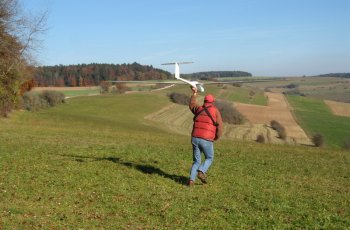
228 92
245 95
72 93
94 163
315 117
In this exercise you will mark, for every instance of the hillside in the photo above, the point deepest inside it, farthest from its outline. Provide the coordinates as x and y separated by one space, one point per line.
93 74
95 162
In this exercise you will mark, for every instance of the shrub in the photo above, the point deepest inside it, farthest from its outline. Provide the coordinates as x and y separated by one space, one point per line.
179 98
121 88
34 102
318 140
105 86
274 124
252 93
292 86
279 128
53 97
346 144
228 113
267 89
237 84
260 138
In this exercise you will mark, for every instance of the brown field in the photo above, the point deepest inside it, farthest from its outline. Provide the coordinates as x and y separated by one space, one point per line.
279 110
339 108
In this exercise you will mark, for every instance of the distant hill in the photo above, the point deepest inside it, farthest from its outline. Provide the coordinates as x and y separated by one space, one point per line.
93 74
342 75
217 74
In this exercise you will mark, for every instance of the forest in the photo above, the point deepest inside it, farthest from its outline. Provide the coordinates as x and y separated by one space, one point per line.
341 75
94 74
217 74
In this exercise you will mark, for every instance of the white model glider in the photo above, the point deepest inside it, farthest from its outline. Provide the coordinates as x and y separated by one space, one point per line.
198 85
195 84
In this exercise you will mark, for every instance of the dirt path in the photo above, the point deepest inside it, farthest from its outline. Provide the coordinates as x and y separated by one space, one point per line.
279 110
163 88
339 108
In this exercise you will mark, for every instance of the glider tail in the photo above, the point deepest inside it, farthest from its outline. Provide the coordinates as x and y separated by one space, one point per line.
177 67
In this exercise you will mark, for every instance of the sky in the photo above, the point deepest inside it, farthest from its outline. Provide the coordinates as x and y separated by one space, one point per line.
263 37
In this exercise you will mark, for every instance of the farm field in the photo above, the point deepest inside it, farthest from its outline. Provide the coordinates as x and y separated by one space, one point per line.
278 110
317 118
177 119
247 95
96 162
325 88
339 108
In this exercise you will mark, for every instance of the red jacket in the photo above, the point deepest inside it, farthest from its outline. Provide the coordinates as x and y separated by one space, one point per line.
203 126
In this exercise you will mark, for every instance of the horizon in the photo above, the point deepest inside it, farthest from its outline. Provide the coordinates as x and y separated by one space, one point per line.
269 38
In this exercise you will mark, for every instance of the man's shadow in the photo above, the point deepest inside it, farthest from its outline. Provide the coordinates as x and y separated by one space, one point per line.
144 168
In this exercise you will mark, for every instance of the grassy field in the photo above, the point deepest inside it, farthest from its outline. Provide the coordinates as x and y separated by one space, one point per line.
95 162
316 118
249 95
72 91
330 88
245 95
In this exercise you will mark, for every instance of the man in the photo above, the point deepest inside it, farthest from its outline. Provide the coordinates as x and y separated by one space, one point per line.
207 127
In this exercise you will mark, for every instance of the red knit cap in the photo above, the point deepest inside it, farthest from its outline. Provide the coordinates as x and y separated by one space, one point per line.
209 98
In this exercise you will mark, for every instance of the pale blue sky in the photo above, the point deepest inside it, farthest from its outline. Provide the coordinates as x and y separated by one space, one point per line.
264 37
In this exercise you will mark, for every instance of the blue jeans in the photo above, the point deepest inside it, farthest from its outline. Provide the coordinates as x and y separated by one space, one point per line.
200 145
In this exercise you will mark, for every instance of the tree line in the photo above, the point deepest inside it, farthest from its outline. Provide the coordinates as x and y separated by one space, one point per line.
341 75
217 74
94 74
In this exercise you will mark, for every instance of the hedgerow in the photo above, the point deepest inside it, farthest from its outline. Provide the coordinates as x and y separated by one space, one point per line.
179 98
53 97
229 114
34 102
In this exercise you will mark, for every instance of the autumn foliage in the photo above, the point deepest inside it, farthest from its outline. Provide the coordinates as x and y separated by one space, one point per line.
94 74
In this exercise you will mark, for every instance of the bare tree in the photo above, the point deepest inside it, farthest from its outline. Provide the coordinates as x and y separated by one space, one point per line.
18 35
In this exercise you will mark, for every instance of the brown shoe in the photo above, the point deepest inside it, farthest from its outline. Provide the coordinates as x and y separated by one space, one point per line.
190 183
202 177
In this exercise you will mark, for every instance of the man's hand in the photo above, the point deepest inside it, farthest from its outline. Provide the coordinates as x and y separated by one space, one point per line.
194 90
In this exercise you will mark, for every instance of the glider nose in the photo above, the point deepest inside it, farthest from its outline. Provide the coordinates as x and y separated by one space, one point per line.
200 88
